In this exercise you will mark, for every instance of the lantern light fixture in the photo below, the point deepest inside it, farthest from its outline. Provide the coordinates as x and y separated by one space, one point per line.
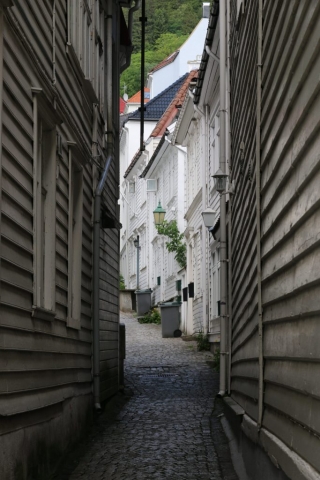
220 180
159 214
208 216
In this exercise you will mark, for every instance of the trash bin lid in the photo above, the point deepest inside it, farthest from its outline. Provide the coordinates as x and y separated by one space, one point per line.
147 290
169 304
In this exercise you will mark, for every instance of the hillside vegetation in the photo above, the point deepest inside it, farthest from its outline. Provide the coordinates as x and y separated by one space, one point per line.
169 23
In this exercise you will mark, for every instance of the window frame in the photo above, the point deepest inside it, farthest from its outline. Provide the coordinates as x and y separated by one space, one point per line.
75 225
45 121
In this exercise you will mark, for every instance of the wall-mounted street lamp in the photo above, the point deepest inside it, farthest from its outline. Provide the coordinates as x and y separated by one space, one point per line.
220 181
137 245
208 216
158 215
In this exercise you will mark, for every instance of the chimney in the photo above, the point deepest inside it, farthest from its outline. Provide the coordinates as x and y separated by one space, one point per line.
205 10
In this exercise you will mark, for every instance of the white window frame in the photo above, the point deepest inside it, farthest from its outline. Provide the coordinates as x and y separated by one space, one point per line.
45 120
171 263
75 239
132 187
151 185
143 256
143 191
215 283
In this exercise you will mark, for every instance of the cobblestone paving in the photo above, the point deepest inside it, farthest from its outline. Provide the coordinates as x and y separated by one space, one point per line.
162 431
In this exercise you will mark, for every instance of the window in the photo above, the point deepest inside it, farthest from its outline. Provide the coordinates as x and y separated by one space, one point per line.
215 147
151 185
75 242
215 285
143 192
132 187
80 33
44 205
170 264
143 250
133 259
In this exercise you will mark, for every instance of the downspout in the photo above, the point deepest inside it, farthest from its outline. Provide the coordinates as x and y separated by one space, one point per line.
130 25
130 16
97 214
223 230
258 204
54 79
205 312
142 107
230 203
212 55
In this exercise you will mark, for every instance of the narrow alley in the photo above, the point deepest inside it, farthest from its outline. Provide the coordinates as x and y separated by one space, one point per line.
162 427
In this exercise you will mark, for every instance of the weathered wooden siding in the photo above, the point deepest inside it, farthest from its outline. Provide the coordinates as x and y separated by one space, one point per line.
46 364
290 177
243 50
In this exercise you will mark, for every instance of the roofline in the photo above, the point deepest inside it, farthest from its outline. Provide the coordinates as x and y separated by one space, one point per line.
213 22
154 156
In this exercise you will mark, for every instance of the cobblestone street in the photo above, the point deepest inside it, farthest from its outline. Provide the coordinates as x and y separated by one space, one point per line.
161 427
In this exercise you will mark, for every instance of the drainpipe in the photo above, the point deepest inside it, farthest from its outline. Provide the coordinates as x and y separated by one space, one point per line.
230 202
97 214
205 313
130 25
223 239
54 79
258 205
130 16
142 106
212 55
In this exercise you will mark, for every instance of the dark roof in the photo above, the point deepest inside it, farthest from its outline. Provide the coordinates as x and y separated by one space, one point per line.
158 105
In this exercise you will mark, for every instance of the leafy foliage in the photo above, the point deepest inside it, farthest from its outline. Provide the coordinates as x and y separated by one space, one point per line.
170 229
122 285
151 317
202 342
164 46
169 24
216 360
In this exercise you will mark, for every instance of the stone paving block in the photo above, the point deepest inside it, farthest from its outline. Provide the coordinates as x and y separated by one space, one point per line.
160 428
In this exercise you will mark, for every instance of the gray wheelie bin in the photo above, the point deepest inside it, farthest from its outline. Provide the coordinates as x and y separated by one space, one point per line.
143 301
170 319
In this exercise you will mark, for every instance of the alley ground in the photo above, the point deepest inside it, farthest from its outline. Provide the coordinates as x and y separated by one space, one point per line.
163 426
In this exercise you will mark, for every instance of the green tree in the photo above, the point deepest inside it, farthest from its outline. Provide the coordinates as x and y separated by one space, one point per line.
176 243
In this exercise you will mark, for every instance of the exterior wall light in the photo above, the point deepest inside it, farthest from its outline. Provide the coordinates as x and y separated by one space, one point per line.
208 216
158 215
220 180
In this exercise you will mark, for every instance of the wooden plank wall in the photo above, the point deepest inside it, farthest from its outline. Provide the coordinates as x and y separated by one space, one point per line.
290 220
290 174
243 50
43 363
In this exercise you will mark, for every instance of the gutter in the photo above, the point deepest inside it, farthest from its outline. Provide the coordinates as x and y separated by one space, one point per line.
97 213
213 22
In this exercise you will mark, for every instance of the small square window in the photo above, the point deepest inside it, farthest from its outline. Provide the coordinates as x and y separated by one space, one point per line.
151 185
